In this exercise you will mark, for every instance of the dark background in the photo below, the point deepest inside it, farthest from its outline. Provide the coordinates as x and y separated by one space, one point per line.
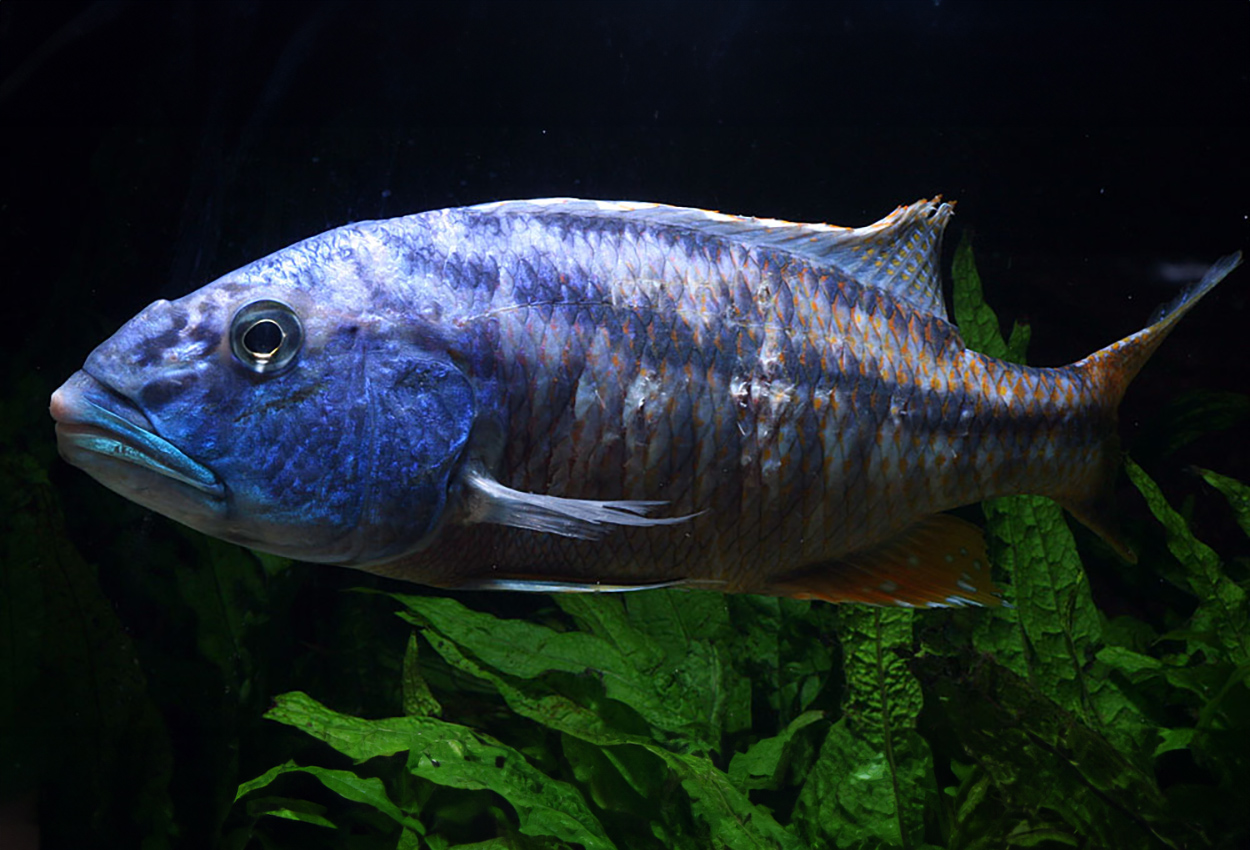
147 148
150 147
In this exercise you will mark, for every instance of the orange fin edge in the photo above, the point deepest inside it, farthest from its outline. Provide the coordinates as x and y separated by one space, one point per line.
939 562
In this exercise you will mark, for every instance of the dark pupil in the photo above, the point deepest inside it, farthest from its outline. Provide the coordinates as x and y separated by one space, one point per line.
263 338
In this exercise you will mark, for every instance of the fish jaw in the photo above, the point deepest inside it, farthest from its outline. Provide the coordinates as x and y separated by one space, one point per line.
108 437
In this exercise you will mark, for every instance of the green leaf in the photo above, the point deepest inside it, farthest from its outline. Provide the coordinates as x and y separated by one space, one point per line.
1126 661
1222 603
224 587
763 764
450 755
731 818
1174 739
273 565
263 780
692 628
677 618
355 737
883 695
537 701
613 783
545 806
1047 768
861 795
289 809
778 646
418 700
684 687
1237 494
631 665
1059 626
874 776
368 790
977 321
734 821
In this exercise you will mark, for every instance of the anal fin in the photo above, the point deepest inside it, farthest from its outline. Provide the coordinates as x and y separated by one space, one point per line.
939 562
535 584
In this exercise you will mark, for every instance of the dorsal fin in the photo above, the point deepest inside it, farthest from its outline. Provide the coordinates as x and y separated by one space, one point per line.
899 254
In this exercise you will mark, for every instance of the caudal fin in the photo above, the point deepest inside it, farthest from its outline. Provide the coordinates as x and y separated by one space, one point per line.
1111 370
1115 366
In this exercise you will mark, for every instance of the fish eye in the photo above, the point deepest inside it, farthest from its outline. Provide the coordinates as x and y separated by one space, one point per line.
266 336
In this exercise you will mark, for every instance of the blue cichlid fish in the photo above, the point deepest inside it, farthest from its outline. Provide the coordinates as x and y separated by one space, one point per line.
583 395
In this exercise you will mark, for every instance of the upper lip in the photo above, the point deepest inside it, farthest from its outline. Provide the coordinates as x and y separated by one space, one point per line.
92 417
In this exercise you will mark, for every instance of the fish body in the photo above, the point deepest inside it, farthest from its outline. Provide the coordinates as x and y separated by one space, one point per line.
570 395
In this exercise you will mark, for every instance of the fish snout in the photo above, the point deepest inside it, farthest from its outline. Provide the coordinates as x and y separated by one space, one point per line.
65 400
106 435
78 400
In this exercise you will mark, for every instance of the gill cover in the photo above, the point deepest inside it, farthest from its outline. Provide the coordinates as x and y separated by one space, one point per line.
420 417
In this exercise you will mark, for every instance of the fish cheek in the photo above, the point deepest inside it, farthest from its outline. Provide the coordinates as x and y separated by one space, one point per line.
158 394
179 408
288 449
422 418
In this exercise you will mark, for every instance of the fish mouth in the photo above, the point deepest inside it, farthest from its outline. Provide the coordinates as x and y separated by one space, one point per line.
95 423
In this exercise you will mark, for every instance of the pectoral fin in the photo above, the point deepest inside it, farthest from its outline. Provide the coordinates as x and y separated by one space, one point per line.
939 562
492 502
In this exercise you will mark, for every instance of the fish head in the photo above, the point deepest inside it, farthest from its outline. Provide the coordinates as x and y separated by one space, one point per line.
285 407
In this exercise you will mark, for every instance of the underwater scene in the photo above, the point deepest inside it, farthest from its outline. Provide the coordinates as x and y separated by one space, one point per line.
604 425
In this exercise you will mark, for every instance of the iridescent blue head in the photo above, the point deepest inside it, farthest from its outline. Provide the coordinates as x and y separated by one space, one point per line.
308 404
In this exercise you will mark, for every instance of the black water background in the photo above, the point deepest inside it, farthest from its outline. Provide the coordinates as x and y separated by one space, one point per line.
146 148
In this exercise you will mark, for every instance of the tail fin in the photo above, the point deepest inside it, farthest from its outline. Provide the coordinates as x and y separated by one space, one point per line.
1115 366
1111 370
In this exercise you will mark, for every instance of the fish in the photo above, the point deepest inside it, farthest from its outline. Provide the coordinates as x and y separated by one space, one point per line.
563 395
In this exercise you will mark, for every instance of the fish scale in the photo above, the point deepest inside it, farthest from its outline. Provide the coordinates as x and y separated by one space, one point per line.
745 539
580 395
